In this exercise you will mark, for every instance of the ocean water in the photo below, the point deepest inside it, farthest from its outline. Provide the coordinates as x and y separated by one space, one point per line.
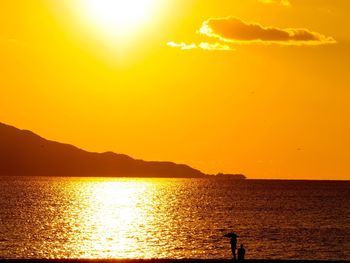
172 218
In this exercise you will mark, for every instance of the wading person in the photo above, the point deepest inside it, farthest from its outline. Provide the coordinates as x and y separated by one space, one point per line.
241 253
233 243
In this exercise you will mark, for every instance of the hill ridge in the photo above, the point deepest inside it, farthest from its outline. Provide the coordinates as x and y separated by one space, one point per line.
23 152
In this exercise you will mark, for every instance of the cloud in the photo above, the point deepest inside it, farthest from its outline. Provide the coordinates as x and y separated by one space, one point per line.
202 45
182 45
280 2
233 30
230 31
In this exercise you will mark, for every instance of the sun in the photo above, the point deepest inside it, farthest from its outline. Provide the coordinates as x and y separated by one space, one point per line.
119 18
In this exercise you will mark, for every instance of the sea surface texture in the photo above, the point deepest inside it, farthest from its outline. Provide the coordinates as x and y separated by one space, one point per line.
172 218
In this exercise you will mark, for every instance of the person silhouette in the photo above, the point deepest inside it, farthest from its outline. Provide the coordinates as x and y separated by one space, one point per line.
233 242
241 253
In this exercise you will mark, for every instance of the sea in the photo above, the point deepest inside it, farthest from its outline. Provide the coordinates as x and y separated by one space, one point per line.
44 217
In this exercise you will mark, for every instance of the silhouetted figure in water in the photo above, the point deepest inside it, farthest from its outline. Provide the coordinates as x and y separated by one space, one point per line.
233 242
241 253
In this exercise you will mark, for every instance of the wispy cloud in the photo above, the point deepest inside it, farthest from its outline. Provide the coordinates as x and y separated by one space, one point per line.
235 30
202 45
279 2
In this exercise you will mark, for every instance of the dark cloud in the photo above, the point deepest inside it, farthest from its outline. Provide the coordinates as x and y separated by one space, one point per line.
234 30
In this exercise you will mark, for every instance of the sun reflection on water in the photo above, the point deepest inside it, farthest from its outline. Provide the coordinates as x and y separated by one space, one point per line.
115 219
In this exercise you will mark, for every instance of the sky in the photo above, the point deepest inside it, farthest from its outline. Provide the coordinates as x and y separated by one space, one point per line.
259 87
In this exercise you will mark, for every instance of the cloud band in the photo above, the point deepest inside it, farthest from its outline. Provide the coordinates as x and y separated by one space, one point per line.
234 30
202 45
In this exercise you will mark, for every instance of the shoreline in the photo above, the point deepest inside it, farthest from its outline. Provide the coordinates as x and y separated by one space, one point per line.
167 261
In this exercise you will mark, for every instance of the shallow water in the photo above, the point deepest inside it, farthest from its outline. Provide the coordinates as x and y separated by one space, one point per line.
172 218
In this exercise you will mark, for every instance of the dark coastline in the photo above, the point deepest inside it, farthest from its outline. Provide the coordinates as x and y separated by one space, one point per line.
23 152
165 261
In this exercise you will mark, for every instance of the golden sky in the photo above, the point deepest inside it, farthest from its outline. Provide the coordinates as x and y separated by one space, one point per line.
259 87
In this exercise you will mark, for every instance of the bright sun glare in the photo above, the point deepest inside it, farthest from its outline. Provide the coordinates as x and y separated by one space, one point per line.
119 18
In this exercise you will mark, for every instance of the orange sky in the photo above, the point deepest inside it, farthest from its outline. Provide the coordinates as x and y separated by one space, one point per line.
259 87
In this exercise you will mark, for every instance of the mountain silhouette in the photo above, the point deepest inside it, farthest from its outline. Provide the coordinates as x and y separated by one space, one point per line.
22 152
